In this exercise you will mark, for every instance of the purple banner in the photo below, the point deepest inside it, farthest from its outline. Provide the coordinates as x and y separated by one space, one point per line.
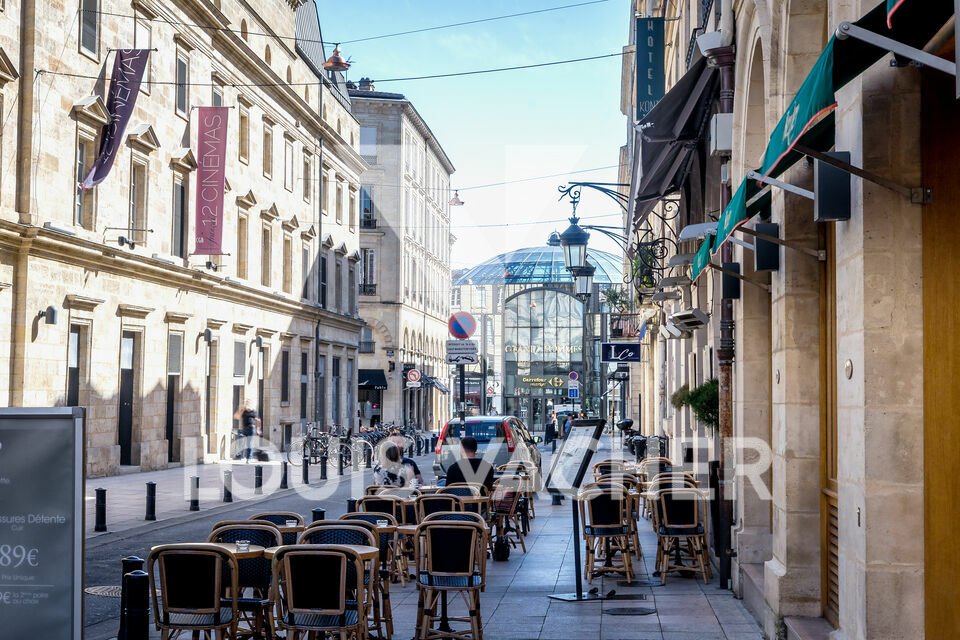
128 68
211 159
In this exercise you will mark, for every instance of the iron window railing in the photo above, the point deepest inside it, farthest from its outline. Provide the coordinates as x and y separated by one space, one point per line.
368 289
368 346
368 222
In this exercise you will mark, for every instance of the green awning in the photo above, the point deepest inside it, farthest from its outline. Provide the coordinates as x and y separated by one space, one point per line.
809 118
701 259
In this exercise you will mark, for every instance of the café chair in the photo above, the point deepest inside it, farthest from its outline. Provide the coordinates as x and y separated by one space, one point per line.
253 574
450 560
388 504
680 523
281 518
604 514
308 606
504 510
391 553
199 588
436 502
357 532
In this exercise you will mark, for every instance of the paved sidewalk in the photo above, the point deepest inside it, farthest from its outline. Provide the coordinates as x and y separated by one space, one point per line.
126 494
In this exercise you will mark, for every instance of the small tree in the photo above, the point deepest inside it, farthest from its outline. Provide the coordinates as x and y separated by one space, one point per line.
680 397
705 402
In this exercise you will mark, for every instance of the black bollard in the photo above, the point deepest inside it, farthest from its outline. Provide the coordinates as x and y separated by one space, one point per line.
367 451
351 505
410 451
553 446
319 513
228 486
127 565
556 500
151 503
258 480
194 493
340 462
135 617
101 504
433 442
306 469
283 475
323 467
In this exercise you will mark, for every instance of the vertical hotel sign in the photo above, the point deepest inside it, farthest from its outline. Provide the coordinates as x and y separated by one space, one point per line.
211 157
651 81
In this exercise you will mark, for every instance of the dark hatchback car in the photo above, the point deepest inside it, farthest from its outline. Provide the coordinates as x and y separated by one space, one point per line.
500 439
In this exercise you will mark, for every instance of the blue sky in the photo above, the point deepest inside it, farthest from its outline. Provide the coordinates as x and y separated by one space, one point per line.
502 126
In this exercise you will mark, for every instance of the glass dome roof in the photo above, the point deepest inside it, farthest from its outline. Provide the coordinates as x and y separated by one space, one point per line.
540 265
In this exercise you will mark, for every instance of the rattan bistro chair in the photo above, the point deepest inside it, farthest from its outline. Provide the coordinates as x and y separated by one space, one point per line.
253 573
450 559
391 551
383 503
604 513
434 503
358 532
280 518
680 523
306 605
199 587
504 509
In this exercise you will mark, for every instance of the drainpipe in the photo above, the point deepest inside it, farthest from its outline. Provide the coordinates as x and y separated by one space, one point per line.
724 58
317 390
28 79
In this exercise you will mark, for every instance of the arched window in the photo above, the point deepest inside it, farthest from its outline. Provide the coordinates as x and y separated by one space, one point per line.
267 56
243 29
289 75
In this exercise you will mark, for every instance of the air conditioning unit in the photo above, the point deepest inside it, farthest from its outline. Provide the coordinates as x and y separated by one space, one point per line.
673 281
721 134
689 319
673 332
663 296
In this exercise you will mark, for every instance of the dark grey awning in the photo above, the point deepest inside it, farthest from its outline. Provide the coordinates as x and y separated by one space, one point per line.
371 379
666 137
435 382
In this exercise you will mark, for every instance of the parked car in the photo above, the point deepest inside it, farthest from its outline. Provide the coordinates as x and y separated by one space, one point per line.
500 439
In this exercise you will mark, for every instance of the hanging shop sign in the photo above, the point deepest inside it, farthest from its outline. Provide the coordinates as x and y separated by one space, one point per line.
651 77
619 352
128 68
211 167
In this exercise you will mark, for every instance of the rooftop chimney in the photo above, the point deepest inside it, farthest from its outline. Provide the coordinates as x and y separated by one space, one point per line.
366 84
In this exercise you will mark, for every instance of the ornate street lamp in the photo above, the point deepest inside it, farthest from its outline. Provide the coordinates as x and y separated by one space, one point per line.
574 242
336 62
583 280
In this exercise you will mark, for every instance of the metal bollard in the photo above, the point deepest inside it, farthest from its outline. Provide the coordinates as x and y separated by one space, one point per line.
319 513
351 505
258 480
283 475
323 467
367 451
433 442
135 617
553 446
194 493
410 451
340 463
151 513
228 486
556 500
306 469
101 504
127 565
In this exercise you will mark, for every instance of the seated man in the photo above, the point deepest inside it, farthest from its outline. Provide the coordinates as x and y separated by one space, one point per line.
470 468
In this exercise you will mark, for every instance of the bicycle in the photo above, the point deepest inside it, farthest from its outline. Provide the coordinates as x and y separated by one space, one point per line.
312 446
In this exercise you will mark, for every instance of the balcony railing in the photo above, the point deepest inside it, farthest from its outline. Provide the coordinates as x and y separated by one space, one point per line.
367 346
368 289
368 223
705 7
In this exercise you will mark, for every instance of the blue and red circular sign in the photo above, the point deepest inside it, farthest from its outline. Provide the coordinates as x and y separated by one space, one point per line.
462 325
574 376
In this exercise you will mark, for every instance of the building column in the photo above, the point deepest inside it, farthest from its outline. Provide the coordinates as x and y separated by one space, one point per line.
792 575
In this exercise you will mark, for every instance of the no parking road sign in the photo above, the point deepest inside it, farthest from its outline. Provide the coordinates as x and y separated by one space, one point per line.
462 325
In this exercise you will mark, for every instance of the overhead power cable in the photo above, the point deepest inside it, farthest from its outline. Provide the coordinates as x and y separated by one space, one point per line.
243 85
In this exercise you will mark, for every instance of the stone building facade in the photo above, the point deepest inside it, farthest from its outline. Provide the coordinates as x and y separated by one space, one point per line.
843 391
405 267
160 345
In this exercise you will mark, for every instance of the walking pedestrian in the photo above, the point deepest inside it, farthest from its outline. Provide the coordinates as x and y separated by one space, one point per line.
250 425
551 428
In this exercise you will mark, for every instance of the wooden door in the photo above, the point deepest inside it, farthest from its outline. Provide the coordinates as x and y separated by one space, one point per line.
829 505
128 357
941 355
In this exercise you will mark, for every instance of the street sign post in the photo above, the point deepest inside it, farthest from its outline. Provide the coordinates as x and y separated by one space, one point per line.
463 358
462 352
462 325
573 393
413 375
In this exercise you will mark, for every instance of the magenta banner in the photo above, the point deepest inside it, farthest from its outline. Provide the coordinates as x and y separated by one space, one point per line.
211 158
128 68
